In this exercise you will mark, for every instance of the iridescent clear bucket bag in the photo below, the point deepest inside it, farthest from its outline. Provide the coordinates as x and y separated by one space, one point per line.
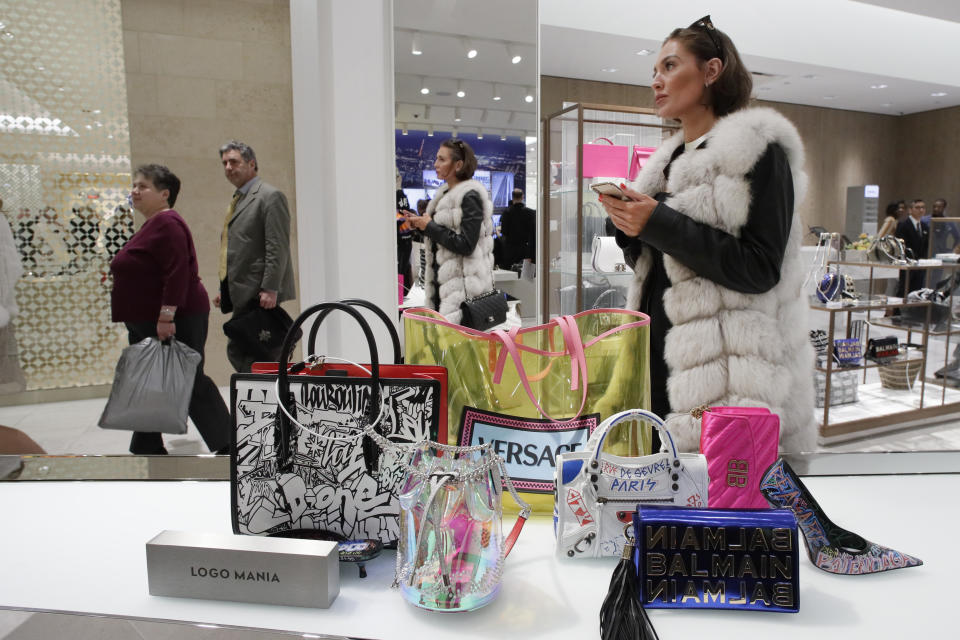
451 550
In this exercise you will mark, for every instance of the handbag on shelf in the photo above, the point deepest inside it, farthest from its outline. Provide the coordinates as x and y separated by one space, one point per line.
152 387
739 443
303 458
638 158
818 338
844 385
883 349
538 391
847 351
598 492
608 256
888 250
452 551
260 330
484 311
604 160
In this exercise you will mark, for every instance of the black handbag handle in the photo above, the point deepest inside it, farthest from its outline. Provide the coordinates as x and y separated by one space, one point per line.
283 377
366 304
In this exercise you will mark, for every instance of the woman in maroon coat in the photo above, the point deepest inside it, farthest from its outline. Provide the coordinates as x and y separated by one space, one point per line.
157 293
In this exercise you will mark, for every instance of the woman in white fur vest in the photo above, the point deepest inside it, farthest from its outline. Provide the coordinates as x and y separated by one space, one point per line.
457 233
714 243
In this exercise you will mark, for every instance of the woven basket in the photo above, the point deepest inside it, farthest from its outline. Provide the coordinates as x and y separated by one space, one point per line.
900 375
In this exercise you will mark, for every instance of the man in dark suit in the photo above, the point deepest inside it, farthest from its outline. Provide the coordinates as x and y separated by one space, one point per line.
518 225
915 234
254 246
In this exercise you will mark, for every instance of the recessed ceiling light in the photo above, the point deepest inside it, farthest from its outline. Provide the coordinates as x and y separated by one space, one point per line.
496 92
424 89
469 49
529 95
503 136
456 115
610 70
644 52
430 131
479 134
415 48
938 94
513 54
460 92
829 97
878 86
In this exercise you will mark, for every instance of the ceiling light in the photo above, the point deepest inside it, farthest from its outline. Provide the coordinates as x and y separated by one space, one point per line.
496 92
469 49
479 134
938 94
415 47
514 56
424 89
609 69
483 116
644 52
403 129
878 86
460 92
456 115
426 112
503 135
454 133
529 96
430 131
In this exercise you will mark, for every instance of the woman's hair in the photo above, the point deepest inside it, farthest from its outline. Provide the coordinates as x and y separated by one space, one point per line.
162 178
732 89
460 150
892 209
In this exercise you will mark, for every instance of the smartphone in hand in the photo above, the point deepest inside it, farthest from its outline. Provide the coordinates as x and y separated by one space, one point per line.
610 189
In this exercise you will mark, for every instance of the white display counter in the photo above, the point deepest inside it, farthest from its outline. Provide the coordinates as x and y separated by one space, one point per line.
79 547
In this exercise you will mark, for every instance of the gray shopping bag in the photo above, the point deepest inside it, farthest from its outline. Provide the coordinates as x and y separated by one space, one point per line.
152 387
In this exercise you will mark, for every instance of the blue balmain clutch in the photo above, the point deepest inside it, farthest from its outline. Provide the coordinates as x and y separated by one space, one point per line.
717 558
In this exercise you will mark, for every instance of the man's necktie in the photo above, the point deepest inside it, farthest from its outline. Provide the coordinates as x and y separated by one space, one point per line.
223 236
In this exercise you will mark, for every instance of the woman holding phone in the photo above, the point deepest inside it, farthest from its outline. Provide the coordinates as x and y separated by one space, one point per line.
710 231
457 233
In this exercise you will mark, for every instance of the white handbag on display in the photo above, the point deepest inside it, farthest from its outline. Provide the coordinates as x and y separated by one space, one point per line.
597 493
608 256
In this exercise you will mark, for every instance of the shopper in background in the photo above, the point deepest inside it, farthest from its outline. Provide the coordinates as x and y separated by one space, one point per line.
458 233
404 237
944 236
254 245
889 224
711 235
157 293
915 235
518 226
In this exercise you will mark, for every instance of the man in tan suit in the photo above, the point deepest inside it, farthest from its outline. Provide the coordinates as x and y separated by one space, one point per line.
254 246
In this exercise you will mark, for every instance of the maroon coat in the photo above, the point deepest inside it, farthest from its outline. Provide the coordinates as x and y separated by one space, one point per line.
157 266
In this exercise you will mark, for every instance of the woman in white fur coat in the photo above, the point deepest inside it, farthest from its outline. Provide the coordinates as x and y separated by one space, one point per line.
457 233
711 233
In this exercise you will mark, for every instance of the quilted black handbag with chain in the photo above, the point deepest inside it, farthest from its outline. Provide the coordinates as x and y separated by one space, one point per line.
484 311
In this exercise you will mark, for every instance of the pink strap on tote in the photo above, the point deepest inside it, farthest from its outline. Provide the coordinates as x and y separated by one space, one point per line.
578 362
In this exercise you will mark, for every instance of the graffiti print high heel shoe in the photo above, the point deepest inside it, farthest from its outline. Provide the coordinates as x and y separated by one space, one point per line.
830 547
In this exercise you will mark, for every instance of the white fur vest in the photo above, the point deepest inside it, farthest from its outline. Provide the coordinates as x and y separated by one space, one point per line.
729 348
458 277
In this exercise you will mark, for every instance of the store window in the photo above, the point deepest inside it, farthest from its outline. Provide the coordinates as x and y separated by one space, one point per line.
64 177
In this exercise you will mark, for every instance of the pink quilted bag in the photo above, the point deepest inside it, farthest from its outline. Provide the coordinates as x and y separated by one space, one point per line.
739 444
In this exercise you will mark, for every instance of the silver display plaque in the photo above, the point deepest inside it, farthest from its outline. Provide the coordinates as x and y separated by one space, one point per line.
285 571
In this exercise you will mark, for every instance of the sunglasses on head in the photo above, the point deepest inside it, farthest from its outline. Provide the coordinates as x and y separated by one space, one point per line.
706 24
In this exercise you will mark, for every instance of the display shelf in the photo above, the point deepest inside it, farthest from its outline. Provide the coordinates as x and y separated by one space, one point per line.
920 405
571 214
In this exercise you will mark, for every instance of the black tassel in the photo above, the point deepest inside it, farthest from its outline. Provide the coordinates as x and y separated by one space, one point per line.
622 616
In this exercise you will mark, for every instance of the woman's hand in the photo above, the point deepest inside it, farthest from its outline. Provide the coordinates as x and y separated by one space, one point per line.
417 222
629 216
165 329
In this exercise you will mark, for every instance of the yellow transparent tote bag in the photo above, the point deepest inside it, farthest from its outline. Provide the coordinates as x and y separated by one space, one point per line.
539 391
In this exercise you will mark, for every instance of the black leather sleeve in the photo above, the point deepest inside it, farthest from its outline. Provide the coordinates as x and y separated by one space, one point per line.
465 242
748 264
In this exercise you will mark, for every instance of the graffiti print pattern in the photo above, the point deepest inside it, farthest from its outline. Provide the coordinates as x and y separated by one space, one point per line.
328 485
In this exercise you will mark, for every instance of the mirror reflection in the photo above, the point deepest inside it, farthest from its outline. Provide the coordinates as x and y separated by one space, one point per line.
78 112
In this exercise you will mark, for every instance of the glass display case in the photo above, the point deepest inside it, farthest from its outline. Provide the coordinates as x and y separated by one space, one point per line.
571 215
